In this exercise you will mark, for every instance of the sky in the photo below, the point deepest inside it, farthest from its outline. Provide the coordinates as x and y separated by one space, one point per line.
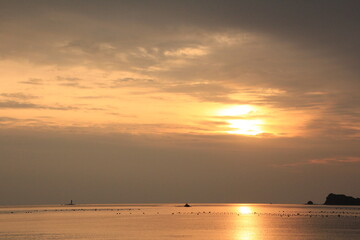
179 101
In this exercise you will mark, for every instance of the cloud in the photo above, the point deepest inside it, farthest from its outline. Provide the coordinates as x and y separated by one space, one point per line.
93 97
338 34
68 79
7 119
186 52
33 81
18 95
74 84
15 104
26 105
17 123
211 92
334 124
335 160
207 50
71 82
327 161
132 82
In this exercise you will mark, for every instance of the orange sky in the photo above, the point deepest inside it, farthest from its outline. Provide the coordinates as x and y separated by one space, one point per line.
96 96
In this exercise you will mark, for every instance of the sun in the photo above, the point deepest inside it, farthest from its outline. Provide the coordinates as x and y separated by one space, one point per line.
240 120
243 126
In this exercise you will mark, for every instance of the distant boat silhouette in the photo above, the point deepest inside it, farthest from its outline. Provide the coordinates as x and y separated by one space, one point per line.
187 205
71 203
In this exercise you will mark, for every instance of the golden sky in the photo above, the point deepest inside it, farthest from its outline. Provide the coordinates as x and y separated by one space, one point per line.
213 87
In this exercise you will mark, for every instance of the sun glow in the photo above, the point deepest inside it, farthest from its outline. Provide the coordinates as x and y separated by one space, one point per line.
238 122
236 110
244 210
247 127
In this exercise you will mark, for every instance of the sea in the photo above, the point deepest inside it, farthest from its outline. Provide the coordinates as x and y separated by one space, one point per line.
174 221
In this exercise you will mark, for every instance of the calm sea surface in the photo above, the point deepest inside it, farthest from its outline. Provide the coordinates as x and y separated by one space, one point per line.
173 221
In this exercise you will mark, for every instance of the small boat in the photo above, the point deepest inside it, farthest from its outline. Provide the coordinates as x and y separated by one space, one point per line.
187 205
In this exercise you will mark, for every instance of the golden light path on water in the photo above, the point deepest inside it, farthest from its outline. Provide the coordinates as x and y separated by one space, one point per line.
246 225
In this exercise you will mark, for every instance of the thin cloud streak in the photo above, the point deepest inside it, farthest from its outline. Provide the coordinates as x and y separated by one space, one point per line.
25 105
326 161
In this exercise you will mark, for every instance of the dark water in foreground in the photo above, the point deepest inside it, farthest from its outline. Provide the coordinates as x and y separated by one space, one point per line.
171 221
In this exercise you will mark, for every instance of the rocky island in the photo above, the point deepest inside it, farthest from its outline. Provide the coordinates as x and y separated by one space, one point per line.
341 199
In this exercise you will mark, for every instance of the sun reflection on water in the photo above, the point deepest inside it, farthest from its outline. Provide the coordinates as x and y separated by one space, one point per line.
245 235
244 210
246 224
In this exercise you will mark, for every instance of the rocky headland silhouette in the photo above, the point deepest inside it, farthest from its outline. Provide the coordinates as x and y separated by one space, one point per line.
341 199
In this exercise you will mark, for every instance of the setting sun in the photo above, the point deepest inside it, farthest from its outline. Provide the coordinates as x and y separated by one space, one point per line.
236 117
247 127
